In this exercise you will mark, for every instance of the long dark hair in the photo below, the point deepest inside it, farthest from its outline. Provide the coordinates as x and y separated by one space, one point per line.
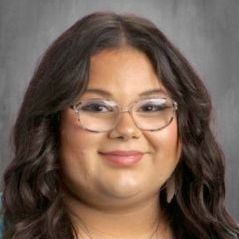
32 197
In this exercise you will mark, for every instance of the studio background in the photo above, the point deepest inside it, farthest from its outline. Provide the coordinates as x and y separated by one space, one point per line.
206 32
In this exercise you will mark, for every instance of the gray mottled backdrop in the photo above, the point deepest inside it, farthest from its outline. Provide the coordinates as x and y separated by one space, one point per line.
206 31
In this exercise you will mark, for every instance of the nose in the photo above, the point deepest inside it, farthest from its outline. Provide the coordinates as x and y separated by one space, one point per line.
125 127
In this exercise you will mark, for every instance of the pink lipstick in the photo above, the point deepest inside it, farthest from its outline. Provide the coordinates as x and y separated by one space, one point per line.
122 158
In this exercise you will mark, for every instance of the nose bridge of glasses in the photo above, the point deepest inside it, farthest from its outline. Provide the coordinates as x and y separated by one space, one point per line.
126 109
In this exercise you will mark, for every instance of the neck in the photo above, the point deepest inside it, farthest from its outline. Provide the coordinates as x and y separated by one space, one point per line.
142 221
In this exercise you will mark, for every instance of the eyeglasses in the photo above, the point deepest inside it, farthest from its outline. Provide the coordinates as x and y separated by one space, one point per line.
100 115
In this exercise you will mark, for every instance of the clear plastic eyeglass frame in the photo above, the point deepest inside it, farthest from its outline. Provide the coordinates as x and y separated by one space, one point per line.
130 109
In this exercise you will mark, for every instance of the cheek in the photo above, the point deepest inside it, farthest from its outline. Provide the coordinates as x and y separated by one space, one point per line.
166 148
73 138
77 155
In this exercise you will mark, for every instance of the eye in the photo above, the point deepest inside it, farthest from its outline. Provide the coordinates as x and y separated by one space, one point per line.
155 105
96 107
152 107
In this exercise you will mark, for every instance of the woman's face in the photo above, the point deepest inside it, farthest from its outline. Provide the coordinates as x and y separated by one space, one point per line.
124 74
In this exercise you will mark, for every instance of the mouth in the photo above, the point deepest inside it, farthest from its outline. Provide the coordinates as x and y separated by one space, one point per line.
122 158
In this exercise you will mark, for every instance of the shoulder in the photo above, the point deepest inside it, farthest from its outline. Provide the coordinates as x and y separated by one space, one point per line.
1 217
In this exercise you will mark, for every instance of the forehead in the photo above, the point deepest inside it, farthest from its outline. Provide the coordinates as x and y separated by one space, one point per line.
123 72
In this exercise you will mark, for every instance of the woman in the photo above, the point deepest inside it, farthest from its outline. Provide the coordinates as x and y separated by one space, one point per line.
113 141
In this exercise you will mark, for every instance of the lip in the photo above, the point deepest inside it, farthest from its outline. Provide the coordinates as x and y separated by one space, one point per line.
122 158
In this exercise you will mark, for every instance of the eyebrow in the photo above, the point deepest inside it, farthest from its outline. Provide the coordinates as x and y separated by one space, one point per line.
154 91
107 94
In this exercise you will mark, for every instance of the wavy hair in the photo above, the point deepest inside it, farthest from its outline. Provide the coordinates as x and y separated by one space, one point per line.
32 197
